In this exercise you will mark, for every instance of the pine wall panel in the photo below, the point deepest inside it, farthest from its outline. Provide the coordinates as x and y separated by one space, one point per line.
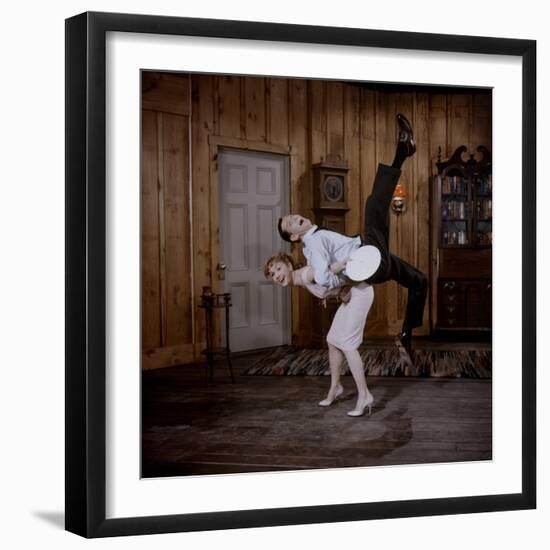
308 120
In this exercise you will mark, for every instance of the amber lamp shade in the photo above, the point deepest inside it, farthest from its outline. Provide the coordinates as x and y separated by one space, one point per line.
399 200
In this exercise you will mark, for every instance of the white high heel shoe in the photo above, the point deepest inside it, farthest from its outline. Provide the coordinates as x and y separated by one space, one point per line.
360 408
327 402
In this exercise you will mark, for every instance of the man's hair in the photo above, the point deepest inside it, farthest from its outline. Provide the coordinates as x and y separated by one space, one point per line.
284 235
279 257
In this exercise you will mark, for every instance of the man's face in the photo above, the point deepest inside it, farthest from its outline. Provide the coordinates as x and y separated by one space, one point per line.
295 225
280 272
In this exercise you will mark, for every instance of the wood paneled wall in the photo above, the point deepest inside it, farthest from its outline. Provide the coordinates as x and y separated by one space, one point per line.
166 269
309 121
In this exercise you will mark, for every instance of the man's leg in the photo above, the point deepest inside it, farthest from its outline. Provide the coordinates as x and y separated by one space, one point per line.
377 233
417 285
377 224
377 206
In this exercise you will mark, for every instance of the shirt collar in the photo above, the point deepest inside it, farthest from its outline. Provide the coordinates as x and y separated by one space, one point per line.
307 235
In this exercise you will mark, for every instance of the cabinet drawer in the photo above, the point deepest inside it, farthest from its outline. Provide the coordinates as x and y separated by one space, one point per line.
479 316
451 298
449 286
464 303
451 315
479 292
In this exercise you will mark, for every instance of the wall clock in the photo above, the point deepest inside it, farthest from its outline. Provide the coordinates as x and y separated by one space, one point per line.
330 195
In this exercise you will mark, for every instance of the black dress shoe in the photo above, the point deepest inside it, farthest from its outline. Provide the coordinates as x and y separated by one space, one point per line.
403 343
406 134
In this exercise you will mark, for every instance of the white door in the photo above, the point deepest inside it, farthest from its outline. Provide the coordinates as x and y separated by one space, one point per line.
253 196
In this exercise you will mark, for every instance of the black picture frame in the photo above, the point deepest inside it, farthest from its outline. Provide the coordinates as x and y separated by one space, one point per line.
86 264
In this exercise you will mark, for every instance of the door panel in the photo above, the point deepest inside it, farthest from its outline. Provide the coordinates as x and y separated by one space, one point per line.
253 195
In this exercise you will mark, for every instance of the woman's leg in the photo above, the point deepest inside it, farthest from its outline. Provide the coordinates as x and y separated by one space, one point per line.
335 359
364 397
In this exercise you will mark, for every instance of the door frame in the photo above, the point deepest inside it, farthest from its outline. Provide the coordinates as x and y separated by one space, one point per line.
217 144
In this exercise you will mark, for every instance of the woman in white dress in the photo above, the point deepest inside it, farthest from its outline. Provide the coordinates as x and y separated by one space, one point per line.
346 332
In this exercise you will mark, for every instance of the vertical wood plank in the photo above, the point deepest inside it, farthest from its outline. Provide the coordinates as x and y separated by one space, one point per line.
405 223
300 197
459 118
422 171
277 108
438 127
255 108
335 121
482 121
150 261
202 127
352 152
162 229
377 319
317 120
438 138
229 104
369 136
214 211
385 150
175 150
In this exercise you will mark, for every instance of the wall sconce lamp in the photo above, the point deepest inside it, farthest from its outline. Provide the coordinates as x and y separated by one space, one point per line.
399 200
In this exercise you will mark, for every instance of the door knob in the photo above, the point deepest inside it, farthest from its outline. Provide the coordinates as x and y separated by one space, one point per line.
221 271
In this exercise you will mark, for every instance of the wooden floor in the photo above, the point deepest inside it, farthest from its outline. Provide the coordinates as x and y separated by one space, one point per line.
269 423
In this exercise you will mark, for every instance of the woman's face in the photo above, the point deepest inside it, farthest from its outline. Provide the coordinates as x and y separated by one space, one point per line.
281 273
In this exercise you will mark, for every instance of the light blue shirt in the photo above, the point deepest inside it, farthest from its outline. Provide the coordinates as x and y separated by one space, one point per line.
322 248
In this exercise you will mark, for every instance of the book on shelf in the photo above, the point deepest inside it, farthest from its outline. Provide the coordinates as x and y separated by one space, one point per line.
484 209
485 237
454 237
453 210
485 185
453 185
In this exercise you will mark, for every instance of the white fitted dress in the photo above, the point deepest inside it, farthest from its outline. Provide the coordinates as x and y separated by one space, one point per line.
348 325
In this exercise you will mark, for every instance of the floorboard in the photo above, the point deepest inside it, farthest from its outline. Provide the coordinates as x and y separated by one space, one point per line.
191 426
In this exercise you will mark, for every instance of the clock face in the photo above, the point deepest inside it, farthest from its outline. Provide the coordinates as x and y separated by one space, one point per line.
333 188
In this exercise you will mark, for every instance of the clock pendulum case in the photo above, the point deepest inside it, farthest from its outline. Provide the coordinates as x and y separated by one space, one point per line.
329 207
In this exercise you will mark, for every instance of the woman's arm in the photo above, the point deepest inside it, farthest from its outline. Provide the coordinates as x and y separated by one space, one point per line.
302 276
322 274
305 277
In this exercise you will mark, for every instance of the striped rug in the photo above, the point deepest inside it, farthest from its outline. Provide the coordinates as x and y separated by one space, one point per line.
294 361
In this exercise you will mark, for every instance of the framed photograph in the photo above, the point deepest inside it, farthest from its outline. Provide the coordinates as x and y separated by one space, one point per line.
300 267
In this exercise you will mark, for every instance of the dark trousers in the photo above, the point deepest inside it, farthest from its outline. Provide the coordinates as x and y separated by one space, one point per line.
377 233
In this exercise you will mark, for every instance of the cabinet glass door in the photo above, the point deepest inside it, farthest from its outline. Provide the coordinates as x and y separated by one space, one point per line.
455 226
483 203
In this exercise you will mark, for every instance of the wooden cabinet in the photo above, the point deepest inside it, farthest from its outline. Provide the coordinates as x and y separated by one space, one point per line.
464 304
462 242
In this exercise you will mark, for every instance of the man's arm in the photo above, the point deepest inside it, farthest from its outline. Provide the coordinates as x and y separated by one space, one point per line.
320 262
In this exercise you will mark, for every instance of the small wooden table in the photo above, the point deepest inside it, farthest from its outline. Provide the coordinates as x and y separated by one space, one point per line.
210 302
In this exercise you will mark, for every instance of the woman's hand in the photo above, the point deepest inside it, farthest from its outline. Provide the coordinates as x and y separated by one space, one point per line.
338 267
